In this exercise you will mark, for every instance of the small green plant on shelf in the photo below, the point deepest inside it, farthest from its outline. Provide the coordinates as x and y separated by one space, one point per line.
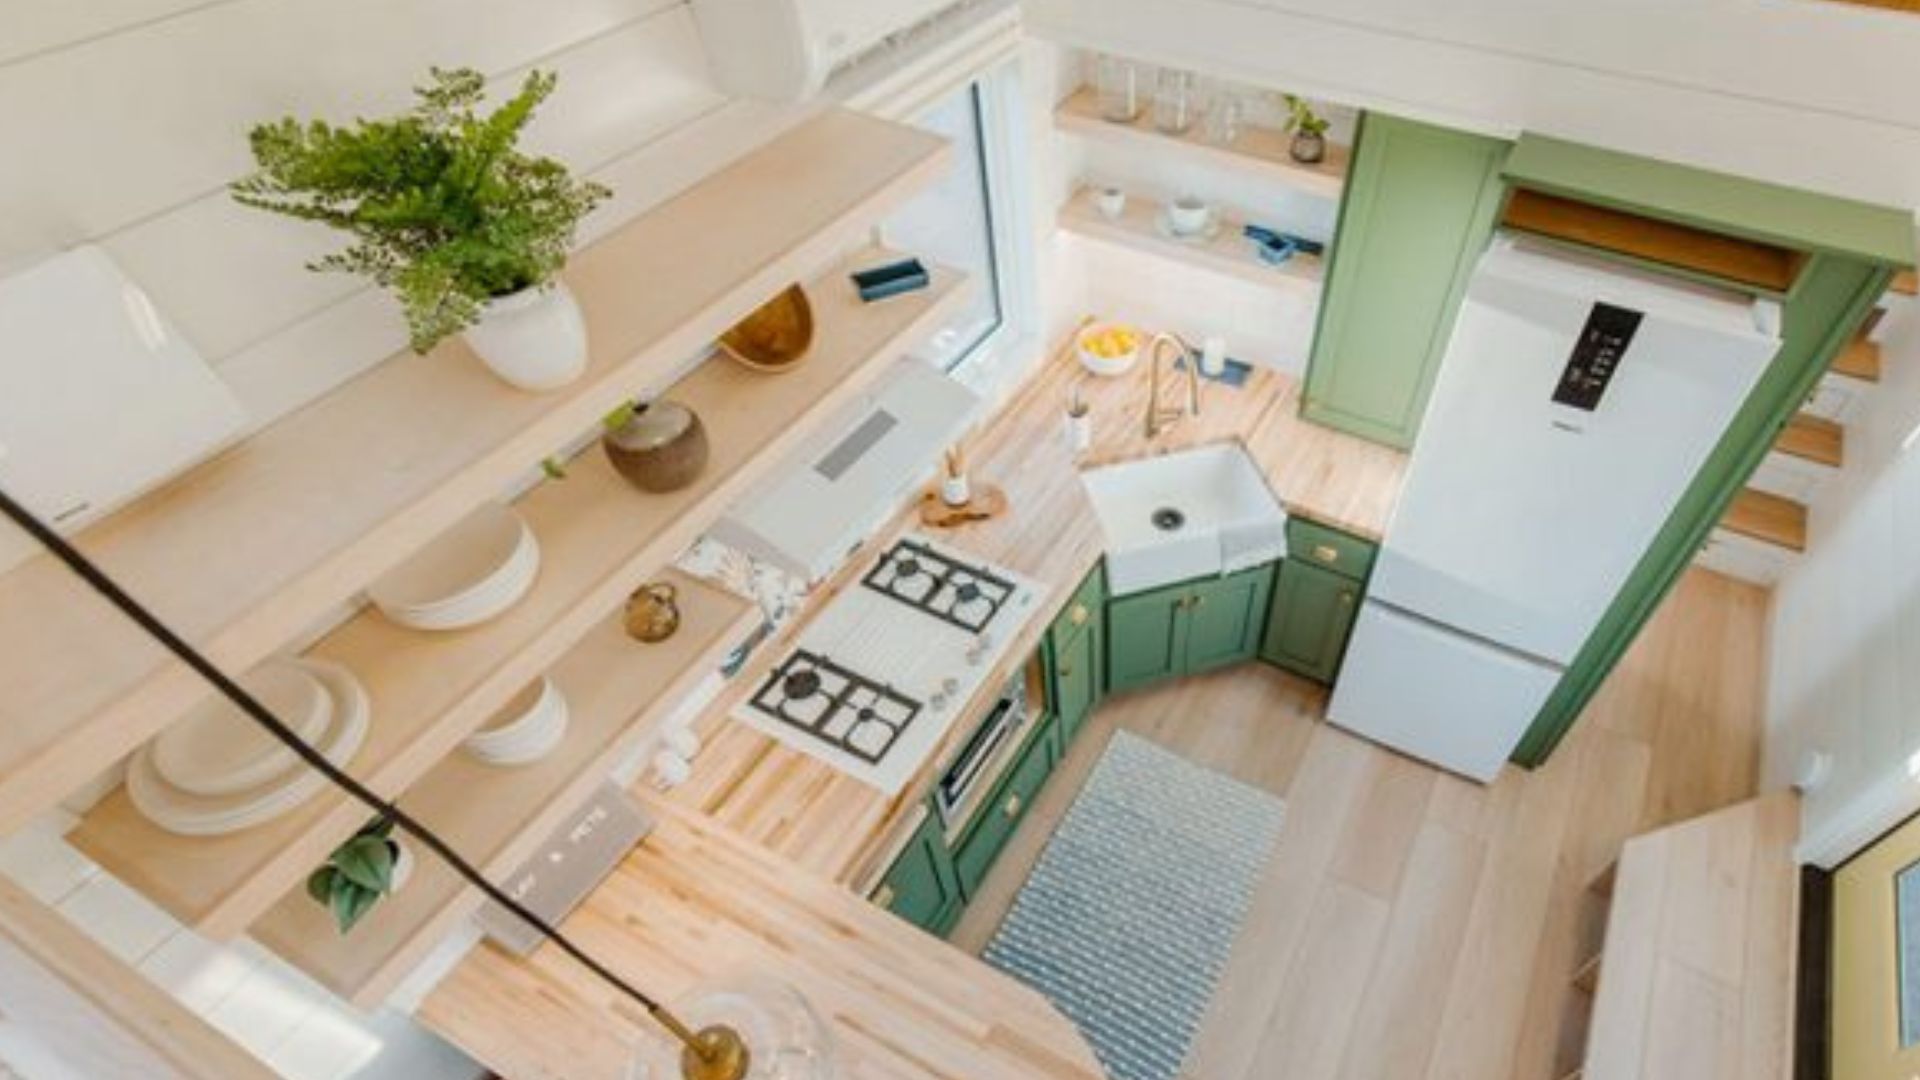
443 209
359 874
1309 143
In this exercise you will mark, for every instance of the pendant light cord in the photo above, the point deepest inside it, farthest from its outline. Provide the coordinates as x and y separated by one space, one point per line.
260 714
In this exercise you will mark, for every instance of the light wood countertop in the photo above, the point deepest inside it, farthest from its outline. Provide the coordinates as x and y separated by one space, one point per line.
764 853
834 825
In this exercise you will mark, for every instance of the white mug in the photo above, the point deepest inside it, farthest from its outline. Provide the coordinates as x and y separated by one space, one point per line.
1111 202
955 491
1188 215
1213 356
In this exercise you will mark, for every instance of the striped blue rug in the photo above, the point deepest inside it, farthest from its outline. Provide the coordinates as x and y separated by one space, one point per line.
1126 923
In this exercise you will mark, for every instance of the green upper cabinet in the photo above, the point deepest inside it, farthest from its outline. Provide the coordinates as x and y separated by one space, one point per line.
1419 209
1225 618
1187 628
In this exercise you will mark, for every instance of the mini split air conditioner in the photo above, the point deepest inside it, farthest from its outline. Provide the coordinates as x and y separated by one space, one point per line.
784 50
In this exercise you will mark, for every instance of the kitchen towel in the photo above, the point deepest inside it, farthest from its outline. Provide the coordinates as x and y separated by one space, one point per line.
1128 919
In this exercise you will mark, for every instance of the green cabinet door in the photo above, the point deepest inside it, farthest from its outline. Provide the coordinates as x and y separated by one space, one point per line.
1075 671
921 886
1225 617
1145 637
1419 208
1312 616
993 825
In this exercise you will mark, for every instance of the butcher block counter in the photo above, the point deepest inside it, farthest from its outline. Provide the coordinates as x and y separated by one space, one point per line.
762 859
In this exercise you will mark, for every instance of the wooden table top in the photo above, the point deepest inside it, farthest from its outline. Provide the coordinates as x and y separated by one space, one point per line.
764 854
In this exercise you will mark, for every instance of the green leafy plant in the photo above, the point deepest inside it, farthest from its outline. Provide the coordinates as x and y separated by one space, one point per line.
1302 118
357 875
442 207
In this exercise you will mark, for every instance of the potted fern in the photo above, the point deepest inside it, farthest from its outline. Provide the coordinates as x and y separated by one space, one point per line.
370 866
468 232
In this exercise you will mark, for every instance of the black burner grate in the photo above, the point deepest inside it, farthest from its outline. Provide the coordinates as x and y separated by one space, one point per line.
840 707
962 594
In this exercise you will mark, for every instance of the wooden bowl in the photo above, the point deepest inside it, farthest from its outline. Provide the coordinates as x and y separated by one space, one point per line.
776 336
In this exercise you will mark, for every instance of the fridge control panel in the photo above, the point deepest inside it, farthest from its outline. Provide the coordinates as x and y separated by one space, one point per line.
1596 356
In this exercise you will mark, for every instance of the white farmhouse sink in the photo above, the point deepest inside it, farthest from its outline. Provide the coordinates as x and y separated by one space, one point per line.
1186 515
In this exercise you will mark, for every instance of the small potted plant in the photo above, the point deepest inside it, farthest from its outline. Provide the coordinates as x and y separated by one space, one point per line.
1309 143
359 873
466 230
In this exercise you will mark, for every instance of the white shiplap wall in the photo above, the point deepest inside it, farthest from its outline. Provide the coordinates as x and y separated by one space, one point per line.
121 122
134 116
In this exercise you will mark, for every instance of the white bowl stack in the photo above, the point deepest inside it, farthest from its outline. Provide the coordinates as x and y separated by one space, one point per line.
465 576
216 771
525 730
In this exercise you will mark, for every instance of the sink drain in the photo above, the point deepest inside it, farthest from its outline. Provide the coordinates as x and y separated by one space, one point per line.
1167 519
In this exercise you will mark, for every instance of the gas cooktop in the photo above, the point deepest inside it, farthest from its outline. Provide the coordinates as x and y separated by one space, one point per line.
873 682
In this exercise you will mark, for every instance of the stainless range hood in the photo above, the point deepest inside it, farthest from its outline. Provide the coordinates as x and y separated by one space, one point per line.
847 480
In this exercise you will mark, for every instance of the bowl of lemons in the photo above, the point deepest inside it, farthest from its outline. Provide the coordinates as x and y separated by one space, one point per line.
1108 348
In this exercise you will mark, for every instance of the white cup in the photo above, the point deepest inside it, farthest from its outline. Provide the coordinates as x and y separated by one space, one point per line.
955 491
1188 215
1111 202
1213 356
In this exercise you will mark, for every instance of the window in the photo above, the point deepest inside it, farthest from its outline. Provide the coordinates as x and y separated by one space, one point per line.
955 223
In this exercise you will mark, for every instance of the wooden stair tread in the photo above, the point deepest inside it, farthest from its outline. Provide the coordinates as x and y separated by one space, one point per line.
599 538
1768 518
1814 438
1859 360
250 550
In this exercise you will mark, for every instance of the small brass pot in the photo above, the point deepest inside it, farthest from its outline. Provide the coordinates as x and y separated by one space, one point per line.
653 612
776 336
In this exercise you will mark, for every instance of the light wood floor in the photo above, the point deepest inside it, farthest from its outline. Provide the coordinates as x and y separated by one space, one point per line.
1411 924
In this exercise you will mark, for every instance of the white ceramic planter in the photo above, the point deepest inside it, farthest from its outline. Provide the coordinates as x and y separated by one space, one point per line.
534 339
402 868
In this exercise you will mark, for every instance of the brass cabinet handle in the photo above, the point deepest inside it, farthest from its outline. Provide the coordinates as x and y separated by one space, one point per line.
1013 805
1326 553
1066 671
884 896
1346 598
1198 600
1078 616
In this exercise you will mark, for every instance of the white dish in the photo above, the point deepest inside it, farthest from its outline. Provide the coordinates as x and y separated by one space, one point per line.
188 814
525 730
1193 236
466 575
216 749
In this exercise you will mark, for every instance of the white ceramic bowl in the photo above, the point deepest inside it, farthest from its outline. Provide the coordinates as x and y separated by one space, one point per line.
1105 365
216 749
466 575
525 730
188 814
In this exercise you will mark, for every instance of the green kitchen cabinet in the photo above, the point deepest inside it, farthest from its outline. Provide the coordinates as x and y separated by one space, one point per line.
1074 672
1145 640
1075 656
1419 208
983 837
1312 617
1224 619
922 886
1187 628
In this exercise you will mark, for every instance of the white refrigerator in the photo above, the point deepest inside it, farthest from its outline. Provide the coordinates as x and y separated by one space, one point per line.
1576 401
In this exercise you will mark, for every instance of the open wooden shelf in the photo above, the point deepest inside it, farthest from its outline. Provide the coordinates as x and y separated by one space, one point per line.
253 548
1257 151
617 690
1226 253
599 538
1814 438
1746 263
1768 518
